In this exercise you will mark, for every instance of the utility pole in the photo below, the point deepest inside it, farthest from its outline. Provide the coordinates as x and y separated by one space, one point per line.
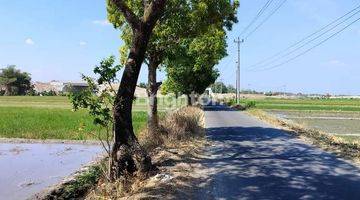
238 42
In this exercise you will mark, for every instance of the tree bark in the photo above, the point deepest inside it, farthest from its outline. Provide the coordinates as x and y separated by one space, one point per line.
126 146
127 154
189 100
7 90
153 87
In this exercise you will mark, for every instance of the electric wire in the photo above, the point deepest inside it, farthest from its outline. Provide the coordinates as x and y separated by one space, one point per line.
266 19
313 47
302 40
310 41
261 11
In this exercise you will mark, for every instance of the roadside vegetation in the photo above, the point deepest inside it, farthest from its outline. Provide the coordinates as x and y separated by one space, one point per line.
305 104
180 132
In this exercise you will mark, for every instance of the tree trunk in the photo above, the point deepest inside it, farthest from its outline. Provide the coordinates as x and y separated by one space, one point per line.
8 90
189 100
153 87
127 154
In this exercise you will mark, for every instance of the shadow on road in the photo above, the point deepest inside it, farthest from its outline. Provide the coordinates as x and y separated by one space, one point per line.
217 107
266 163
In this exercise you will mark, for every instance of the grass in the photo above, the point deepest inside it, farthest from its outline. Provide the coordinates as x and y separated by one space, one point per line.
306 104
50 118
52 123
140 104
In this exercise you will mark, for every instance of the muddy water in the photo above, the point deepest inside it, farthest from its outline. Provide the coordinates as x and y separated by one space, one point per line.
26 169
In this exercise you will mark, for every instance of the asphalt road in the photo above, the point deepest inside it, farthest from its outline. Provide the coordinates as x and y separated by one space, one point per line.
253 160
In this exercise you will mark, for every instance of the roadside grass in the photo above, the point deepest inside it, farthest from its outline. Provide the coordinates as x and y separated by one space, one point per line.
306 104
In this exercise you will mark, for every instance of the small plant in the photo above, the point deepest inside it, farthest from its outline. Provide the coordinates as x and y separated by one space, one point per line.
250 104
98 99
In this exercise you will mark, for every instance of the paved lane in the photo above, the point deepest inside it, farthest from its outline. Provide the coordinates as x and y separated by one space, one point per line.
252 160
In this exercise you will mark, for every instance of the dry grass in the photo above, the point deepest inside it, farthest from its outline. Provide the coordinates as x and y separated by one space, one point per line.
179 137
180 125
346 149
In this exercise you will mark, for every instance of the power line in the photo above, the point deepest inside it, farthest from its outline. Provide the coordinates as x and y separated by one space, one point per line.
310 41
313 47
261 11
267 18
302 40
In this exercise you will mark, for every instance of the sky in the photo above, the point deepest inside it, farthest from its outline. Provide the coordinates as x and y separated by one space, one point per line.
59 39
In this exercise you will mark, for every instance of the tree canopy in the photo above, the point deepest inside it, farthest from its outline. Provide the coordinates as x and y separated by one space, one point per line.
14 82
182 19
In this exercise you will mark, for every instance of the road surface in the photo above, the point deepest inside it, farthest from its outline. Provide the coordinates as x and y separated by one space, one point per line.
26 169
253 160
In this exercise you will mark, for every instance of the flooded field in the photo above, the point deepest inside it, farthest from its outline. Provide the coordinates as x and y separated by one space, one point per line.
26 169
343 124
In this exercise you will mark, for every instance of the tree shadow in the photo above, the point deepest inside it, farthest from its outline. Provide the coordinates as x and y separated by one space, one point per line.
268 163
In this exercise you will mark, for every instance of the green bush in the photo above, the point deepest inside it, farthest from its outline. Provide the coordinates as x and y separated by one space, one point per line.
250 104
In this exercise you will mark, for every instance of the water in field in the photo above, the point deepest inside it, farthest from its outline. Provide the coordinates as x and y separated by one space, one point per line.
26 169
343 124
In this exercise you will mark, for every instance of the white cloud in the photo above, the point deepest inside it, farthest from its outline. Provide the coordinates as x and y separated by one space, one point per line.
29 41
336 63
102 22
82 43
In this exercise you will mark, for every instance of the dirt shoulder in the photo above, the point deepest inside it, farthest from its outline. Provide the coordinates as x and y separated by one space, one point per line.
323 140
180 173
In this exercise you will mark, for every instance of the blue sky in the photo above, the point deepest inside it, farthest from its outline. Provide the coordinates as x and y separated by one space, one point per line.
59 39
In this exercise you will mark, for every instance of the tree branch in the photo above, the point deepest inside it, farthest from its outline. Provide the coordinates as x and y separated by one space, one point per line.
153 12
129 15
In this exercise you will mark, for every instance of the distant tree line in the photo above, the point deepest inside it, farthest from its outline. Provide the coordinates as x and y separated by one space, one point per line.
15 82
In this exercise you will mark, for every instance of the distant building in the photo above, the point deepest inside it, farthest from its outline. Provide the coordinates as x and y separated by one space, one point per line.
74 87
59 87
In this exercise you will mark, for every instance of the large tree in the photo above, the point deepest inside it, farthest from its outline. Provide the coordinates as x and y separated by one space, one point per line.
128 155
191 68
182 20
219 87
14 81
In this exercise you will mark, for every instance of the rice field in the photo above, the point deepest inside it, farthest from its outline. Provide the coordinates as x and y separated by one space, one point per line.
52 118
340 117
307 104
342 124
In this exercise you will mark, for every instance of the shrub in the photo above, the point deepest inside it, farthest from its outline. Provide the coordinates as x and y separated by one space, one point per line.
250 104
